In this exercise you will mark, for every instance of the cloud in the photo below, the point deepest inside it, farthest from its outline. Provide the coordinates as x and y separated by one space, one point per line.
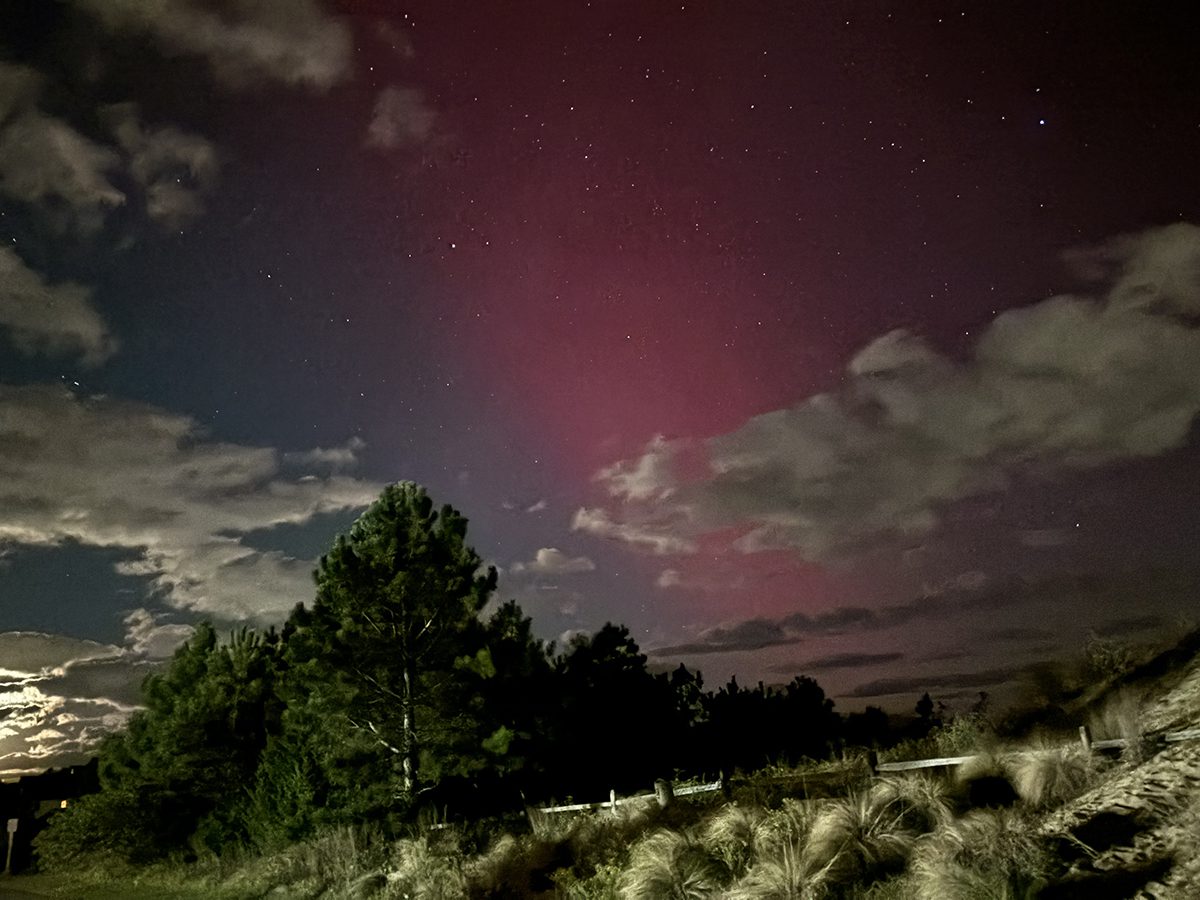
669 578
661 543
244 42
751 634
60 695
401 118
113 473
552 561
150 637
46 163
332 458
33 653
650 476
38 317
1069 383
794 628
836 661
173 167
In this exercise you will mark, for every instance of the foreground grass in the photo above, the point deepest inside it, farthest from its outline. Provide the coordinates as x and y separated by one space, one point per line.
908 838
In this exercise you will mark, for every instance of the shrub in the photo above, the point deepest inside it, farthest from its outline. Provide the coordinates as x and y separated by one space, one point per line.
118 823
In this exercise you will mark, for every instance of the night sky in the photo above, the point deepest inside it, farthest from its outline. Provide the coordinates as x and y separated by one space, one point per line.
855 340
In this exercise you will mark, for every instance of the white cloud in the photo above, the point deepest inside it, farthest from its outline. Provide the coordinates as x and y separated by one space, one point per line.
174 168
1067 383
30 653
111 473
552 561
401 118
244 42
334 458
38 317
669 578
147 635
661 543
648 477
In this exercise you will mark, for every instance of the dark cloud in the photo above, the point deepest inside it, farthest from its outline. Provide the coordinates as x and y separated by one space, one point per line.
1069 383
1131 625
916 684
1017 634
752 634
49 165
174 168
401 118
836 661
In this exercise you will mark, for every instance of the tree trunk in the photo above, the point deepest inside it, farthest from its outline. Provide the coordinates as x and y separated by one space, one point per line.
408 743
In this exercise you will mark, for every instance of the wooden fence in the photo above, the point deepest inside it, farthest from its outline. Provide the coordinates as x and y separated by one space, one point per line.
1085 738
664 792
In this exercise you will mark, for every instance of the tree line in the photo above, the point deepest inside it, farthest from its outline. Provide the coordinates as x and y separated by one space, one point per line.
393 692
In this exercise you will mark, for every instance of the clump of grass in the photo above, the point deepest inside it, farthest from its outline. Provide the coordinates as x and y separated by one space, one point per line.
1048 777
859 839
670 865
604 838
926 801
789 824
986 855
419 872
779 873
983 780
731 835
517 866
1122 716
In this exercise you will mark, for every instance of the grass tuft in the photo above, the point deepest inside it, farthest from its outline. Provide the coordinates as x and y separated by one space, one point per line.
986 855
669 865
1050 776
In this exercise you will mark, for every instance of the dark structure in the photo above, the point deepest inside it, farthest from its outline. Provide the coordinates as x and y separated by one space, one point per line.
33 799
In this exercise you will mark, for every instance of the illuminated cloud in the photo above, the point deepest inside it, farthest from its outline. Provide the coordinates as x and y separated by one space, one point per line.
40 318
552 561
112 473
1069 383
244 42
661 543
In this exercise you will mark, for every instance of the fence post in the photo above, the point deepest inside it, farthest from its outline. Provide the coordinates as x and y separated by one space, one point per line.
612 799
664 793
1085 738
